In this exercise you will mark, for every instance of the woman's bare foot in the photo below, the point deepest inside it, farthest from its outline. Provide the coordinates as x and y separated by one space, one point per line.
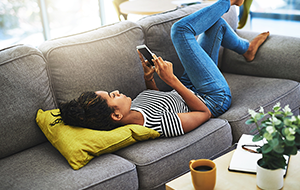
237 2
254 45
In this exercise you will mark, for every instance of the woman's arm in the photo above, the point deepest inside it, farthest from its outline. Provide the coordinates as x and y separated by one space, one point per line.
199 111
148 73
150 84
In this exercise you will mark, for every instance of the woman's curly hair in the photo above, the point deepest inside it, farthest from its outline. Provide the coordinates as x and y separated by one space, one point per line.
88 111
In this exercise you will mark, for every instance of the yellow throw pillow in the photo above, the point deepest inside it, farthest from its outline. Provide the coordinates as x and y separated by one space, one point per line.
80 145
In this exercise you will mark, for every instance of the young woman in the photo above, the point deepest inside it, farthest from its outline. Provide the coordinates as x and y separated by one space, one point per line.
201 93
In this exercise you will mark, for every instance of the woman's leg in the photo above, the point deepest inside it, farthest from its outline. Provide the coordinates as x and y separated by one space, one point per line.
211 40
200 60
221 34
200 68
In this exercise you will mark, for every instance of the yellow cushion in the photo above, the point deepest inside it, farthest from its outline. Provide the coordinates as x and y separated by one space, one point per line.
80 145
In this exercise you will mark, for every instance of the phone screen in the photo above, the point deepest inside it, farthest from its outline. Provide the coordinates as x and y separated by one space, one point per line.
146 53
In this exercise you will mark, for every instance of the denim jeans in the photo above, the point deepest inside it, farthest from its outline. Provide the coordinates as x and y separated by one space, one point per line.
200 57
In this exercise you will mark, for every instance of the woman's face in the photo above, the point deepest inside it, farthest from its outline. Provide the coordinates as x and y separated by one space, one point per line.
116 100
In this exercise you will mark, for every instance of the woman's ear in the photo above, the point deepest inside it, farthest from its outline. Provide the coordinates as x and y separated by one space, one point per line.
116 116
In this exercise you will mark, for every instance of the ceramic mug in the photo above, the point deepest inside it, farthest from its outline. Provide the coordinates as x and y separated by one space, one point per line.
203 173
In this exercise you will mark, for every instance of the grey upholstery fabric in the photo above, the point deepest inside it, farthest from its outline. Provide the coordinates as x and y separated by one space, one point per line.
43 167
160 160
106 59
81 62
24 88
253 92
278 57
157 35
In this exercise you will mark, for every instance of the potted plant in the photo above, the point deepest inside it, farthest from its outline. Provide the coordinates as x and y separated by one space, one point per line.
280 132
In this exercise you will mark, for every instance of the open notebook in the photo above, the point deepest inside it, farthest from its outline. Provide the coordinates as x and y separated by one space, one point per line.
245 161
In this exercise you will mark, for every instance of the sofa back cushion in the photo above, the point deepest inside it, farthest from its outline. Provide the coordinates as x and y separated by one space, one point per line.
101 59
278 57
24 88
157 35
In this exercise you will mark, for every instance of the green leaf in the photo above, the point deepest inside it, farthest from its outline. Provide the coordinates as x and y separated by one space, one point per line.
266 149
297 140
249 121
268 136
259 116
274 142
277 122
290 150
253 130
287 122
259 150
294 126
279 149
257 137
289 143
276 108
263 124
294 151
279 163
290 137
284 131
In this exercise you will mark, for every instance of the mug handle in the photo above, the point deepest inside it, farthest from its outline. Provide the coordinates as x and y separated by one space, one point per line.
191 162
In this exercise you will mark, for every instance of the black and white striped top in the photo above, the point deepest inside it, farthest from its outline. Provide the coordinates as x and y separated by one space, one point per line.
160 109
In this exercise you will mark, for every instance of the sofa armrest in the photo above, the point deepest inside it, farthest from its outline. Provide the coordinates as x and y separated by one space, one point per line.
278 57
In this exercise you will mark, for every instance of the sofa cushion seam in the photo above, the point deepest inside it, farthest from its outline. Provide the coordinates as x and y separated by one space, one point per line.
20 57
92 41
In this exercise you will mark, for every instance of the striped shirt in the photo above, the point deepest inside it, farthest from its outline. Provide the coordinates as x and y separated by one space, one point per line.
159 110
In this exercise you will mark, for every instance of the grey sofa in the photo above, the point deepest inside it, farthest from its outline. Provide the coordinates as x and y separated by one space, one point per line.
106 59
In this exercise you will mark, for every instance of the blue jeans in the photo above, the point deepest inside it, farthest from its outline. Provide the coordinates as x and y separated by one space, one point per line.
200 57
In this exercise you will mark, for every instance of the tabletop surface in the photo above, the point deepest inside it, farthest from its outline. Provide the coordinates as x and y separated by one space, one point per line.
148 7
227 180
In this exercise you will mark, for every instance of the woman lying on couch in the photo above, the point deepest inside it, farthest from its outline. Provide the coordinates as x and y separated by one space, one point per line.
201 93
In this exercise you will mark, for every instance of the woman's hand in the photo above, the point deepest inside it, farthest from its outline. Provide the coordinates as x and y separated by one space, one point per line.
147 67
199 111
164 69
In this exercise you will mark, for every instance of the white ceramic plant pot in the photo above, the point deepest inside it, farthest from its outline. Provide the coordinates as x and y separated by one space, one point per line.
269 179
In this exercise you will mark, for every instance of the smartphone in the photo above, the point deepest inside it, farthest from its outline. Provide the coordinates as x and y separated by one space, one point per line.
148 55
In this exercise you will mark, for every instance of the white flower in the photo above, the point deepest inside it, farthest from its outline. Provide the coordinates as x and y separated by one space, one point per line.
293 118
292 131
261 110
276 105
252 113
274 120
287 109
270 129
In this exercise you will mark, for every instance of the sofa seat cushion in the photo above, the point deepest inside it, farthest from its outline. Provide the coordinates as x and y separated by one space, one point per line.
163 159
42 167
24 88
249 92
101 59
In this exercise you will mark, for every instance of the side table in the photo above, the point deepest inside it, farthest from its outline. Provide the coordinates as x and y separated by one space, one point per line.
149 7
227 180
146 7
